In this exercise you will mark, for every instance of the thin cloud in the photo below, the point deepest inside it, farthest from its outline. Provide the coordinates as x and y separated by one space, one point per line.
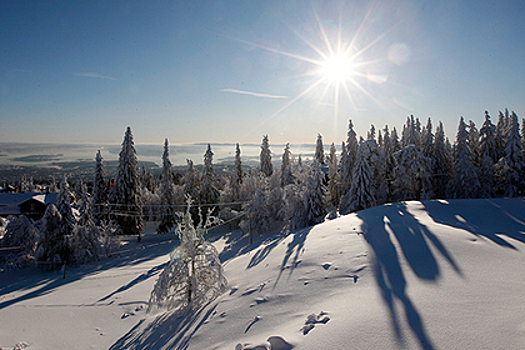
93 75
255 94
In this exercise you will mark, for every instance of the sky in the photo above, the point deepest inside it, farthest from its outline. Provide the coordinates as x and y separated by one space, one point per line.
232 71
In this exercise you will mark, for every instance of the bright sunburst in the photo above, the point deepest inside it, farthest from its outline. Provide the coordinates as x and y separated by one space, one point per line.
337 69
337 65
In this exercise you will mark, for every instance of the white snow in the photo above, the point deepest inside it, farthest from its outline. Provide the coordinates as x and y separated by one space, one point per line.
431 274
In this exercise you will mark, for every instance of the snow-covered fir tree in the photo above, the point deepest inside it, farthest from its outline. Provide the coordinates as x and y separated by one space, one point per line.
334 184
442 164
286 167
511 173
125 201
238 175
167 196
411 132
473 143
319 149
314 195
266 157
257 216
191 181
65 200
194 275
348 159
361 194
488 156
465 181
411 176
209 194
100 192
378 164
54 248
85 207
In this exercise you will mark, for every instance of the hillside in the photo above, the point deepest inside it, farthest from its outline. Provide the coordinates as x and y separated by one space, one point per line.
431 275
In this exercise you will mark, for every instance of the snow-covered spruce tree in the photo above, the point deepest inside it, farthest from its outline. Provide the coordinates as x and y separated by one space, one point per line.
286 167
54 248
334 184
194 275
20 232
511 173
389 148
167 195
209 194
378 164
348 159
501 135
125 201
411 176
266 157
65 199
488 156
473 143
191 181
238 175
361 194
100 192
442 163
411 132
257 211
85 207
314 195
465 181
319 149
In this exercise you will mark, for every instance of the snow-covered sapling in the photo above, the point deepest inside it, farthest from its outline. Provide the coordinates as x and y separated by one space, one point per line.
194 275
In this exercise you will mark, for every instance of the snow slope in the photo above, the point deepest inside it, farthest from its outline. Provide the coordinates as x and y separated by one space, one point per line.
431 275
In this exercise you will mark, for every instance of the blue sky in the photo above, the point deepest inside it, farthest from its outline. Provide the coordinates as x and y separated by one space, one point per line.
231 71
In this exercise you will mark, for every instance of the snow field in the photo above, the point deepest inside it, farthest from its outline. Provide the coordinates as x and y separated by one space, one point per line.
414 275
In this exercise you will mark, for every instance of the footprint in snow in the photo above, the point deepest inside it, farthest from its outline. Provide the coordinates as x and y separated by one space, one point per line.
312 320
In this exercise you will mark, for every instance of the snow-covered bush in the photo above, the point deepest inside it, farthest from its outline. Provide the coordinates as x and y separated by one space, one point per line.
90 243
194 275
20 232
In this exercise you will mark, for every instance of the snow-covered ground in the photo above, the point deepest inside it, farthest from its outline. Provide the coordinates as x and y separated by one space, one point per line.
431 275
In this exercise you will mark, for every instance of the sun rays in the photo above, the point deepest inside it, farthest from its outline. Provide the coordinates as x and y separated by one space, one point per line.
339 68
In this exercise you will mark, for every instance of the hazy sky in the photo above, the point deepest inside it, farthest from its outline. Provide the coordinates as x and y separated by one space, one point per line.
231 71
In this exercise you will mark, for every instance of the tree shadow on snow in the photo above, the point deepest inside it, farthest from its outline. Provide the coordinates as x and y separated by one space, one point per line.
171 330
395 221
494 219
32 284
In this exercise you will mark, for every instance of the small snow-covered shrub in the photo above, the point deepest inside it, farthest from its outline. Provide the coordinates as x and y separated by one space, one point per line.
194 275
21 233
90 243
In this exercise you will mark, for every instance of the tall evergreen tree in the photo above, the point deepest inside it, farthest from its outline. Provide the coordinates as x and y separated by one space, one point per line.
513 172
238 175
167 196
334 184
488 156
473 143
465 181
100 192
361 194
348 159
125 201
319 149
286 167
442 163
314 196
209 194
266 157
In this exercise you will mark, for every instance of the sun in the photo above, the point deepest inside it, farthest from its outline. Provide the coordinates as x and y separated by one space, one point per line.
337 69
